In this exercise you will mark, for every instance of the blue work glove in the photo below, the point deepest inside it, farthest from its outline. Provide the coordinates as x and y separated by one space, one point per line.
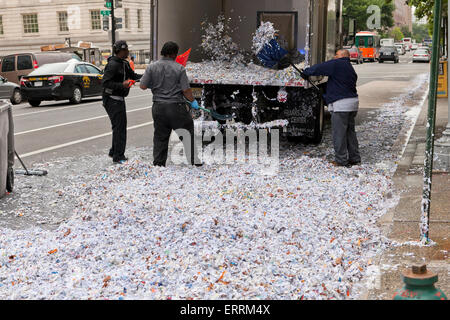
271 54
194 105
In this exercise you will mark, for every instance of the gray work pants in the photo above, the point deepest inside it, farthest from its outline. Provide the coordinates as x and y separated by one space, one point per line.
344 137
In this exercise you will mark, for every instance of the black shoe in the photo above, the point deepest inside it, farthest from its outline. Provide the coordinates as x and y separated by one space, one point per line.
159 165
337 164
198 165
110 154
120 160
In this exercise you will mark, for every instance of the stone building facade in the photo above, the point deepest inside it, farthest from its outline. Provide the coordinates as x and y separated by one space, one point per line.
27 25
402 14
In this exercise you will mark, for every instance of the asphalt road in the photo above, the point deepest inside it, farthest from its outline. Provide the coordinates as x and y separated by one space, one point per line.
60 129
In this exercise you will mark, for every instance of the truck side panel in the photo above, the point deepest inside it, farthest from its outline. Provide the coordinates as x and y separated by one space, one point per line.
249 8
180 21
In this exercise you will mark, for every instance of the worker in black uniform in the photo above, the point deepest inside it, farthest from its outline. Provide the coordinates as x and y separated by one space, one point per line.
170 86
117 80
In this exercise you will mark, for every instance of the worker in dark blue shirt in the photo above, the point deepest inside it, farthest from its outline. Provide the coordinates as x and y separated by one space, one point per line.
343 103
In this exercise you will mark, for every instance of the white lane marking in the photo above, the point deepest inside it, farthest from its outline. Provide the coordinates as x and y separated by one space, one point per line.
73 122
70 107
80 141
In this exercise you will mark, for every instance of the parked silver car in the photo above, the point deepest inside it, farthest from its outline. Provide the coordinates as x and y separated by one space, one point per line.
10 91
421 55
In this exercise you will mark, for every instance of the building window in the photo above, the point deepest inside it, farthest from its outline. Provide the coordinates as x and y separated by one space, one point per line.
139 18
30 23
62 21
1 25
127 18
96 20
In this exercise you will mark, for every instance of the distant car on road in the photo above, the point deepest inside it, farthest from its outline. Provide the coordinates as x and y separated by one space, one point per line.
356 55
388 54
407 42
400 48
425 48
421 55
10 91
72 80
414 46
14 66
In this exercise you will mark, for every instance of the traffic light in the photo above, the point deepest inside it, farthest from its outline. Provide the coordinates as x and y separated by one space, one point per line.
118 3
105 23
108 4
118 23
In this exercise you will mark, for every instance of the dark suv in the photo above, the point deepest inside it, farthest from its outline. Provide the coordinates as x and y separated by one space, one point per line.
388 54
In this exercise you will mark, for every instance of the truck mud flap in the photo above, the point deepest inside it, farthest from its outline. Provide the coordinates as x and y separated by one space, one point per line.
304 111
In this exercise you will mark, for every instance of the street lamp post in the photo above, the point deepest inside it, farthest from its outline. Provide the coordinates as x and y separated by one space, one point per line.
442 146
431 121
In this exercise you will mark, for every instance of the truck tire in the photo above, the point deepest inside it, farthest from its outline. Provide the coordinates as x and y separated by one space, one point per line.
10 180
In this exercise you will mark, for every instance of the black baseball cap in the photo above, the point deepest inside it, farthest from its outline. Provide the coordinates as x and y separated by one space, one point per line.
120 45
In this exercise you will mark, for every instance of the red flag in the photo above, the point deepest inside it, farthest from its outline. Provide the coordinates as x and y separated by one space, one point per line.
183 58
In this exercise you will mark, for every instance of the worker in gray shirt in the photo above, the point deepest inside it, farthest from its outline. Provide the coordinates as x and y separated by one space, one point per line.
170 86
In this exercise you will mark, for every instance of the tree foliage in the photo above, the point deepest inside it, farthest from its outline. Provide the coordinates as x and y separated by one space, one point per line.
397 34
420 32
406 32
424 8
357 9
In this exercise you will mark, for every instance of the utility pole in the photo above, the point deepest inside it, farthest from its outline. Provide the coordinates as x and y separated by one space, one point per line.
152 30
113 27
431 126
443 144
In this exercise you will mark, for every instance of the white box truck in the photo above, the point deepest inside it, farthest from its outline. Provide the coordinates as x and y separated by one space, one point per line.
387 42
313 27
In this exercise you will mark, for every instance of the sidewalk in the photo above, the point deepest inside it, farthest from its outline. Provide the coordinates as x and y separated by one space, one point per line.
402 222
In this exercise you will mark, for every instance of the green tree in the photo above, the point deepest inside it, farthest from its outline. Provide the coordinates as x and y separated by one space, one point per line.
406 32
357 9
424 8
397 34
420 32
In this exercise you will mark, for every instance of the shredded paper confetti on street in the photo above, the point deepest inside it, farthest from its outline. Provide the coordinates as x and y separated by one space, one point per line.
217 232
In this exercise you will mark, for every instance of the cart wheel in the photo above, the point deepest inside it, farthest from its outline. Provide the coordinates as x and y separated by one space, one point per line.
10 180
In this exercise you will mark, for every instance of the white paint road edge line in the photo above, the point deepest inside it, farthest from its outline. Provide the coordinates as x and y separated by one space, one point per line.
73 122
70 107
80 141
